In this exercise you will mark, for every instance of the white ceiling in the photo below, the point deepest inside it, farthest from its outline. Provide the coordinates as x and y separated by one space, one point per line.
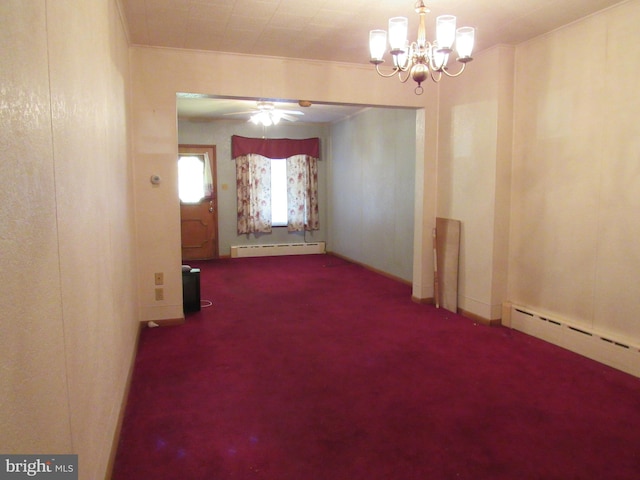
204 108
333 30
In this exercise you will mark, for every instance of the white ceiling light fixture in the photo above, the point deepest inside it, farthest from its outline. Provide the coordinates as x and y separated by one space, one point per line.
421 59
267 114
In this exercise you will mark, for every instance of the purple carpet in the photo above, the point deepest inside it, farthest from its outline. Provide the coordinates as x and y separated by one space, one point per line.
310 367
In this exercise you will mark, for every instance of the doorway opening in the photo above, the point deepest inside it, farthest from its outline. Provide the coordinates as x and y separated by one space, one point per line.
198 202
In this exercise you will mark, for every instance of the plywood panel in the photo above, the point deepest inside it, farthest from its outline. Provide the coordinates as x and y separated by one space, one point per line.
447 246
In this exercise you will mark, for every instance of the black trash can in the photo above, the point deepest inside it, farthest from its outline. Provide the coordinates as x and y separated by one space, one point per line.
191 290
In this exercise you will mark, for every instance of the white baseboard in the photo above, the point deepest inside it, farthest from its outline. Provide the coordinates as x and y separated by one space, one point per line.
603 348
240 251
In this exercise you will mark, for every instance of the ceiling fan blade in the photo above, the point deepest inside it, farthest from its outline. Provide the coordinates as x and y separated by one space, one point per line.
242 113
291 112
289 118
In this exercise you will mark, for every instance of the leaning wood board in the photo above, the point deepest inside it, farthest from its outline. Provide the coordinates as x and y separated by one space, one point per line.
447 247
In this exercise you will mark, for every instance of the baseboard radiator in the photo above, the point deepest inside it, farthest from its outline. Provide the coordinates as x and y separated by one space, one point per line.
600 347
278 249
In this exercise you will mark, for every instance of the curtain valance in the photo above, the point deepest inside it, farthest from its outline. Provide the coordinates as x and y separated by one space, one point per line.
274 147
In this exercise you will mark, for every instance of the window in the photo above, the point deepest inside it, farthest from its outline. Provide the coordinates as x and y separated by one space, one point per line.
278 192
195 179
190 179
296 189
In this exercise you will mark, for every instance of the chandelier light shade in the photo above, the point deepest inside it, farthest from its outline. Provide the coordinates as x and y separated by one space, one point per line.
421 59
398 28
377 44
446 31
465 37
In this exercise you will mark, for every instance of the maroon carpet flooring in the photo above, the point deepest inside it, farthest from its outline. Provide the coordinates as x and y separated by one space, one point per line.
310 367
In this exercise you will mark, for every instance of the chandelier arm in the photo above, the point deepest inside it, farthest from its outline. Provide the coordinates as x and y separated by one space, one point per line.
432 59
435 75
387 75
454 74
405 79
408 63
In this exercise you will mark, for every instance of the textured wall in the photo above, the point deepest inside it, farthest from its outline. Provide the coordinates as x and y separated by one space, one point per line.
474 164
34 416
69 318
371 185
576 173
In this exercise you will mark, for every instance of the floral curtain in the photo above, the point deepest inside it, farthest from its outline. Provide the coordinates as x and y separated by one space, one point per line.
253 176
253 181
302 193
208 178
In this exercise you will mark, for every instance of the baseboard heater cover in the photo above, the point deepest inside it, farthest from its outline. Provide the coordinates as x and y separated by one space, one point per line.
602 348
278 249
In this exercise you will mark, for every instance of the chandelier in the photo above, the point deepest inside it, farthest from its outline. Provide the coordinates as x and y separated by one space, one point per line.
421 59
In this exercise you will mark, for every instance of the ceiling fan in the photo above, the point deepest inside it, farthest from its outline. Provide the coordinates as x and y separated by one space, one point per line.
267 114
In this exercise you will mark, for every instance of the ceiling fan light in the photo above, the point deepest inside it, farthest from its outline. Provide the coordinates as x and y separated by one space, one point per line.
267 114
261 118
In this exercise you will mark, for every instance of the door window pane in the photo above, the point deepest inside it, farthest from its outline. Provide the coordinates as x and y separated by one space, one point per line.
191 179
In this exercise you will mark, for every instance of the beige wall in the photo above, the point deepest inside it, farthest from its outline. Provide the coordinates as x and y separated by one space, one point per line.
69 318
474 162
576 174
158 74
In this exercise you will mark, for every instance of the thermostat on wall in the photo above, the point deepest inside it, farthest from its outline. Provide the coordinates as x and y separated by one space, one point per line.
155 179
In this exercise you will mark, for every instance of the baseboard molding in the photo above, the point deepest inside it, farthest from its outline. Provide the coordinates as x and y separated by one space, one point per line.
423 301
369 267
159 313
278 249
602 347
123 407
496 322
167 322
463 313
